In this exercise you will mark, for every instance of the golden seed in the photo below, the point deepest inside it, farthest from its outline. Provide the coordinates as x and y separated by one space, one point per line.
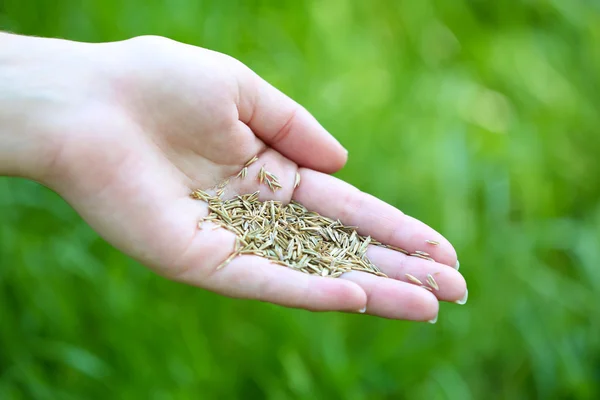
288 235
422 256
396 249
228 260
413 279
254 159
433 242
431 281
297 180
243 172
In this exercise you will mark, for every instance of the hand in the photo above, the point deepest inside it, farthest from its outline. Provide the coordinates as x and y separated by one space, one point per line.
126 130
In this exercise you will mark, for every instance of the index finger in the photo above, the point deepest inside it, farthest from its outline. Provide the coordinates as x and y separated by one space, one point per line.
286 126
337 199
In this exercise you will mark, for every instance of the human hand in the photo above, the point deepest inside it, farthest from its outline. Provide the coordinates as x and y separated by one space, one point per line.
125 131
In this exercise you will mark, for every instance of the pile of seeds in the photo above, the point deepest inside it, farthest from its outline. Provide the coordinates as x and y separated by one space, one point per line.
291 235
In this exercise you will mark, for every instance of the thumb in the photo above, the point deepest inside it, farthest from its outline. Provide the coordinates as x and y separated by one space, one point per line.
286 126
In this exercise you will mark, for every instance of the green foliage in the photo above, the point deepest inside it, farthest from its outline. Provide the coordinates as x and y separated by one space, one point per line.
480 118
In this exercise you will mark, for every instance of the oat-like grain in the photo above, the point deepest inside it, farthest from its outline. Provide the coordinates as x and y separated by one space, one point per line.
251 161
273 177
431 281
422 256
243 172
223 184
396 249
228 260
432 242
413 279
297 180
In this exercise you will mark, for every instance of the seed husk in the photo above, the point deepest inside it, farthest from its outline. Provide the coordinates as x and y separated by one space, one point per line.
243 172
431 281
396 249
432 242
251 161
297 180
228 260
273 177
413 279
223 184
422 256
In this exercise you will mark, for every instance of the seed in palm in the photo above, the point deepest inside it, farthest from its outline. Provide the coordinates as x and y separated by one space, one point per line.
290 235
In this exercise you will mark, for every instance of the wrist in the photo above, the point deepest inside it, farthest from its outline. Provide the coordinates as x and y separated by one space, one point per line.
23 147
39 84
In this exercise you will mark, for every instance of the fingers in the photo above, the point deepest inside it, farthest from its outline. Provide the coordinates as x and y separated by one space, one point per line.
451 284
337 199
389 298
252 277
286 126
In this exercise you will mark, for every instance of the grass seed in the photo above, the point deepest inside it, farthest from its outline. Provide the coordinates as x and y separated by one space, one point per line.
289 234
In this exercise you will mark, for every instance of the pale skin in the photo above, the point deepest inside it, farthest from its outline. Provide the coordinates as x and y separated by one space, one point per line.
124 132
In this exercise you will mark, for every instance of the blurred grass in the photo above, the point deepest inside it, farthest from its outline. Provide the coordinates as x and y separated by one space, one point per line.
480 118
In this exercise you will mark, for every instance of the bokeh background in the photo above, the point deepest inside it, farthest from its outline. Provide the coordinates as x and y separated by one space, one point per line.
480 118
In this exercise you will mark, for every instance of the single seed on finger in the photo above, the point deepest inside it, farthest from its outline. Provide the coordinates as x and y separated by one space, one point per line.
261 174
413 279
432 282
421 256
251 161
397 249
228 260
223 184
297 180
432 242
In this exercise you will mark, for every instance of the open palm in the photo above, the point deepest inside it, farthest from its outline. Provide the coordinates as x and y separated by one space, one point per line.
166 118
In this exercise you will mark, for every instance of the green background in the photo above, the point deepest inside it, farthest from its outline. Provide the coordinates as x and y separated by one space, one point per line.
480 118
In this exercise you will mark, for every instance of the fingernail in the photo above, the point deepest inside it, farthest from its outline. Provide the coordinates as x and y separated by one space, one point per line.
464 299
363 310
433 321
457 265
